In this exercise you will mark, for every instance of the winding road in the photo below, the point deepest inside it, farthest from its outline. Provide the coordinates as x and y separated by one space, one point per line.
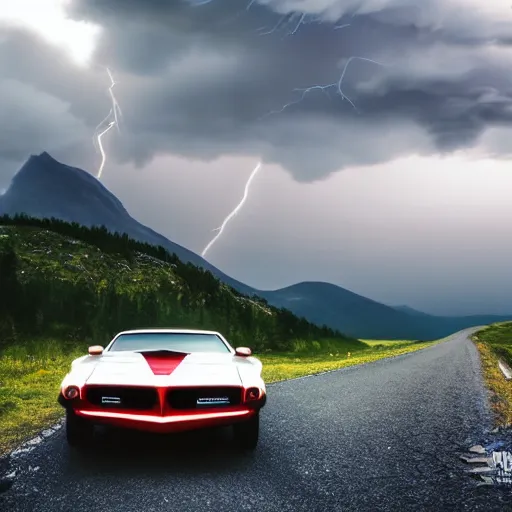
384 436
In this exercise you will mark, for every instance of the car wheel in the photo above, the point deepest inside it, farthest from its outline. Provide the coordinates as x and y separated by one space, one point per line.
79 431
246 433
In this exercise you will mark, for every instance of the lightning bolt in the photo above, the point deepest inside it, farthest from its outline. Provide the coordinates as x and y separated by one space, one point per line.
324 88
300 17
116 109
294 20
234 212
112 118
102 151
296 17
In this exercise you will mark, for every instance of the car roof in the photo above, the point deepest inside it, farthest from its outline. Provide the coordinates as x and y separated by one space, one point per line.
170 331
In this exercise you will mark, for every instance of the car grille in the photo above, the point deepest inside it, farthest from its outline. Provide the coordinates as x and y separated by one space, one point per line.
122 397
204 397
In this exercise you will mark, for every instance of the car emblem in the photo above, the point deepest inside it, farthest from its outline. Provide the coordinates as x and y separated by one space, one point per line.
110 400
218 400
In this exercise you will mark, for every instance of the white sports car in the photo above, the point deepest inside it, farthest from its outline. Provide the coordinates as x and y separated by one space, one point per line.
164 380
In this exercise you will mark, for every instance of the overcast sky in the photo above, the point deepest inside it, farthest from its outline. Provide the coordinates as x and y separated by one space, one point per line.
390 177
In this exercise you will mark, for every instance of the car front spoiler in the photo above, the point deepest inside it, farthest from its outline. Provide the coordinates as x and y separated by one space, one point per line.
171 423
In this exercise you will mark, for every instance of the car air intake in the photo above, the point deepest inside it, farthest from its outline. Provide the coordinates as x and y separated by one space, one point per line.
122 397
204 397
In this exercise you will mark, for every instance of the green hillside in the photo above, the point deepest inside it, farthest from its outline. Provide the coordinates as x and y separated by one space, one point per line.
66 281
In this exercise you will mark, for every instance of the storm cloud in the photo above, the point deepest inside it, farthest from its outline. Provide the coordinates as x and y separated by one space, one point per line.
204 79
213 78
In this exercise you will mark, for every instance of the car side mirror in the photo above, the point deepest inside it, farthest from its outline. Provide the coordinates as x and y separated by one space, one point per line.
96 350
243 351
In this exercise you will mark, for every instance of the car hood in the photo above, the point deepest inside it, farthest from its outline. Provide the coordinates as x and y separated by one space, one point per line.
137 369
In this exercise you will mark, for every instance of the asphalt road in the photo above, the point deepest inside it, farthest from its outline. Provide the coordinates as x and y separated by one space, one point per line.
378 437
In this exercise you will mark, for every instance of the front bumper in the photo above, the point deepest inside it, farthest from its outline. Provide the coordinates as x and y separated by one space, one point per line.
168 421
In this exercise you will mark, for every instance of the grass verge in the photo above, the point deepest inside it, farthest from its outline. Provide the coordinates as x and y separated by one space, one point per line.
493 343
30 375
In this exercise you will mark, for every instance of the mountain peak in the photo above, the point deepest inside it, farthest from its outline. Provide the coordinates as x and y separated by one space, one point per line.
45 187
44 166
44 154
43 158
46 157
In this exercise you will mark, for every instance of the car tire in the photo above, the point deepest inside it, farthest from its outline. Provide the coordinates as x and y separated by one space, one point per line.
79 431
247 432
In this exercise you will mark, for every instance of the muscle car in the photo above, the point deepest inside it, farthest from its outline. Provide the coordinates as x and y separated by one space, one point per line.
164 380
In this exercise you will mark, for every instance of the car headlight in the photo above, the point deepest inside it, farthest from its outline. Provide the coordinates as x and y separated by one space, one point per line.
252 394
71 392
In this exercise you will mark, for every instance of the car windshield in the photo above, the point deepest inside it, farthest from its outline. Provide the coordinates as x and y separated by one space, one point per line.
176 341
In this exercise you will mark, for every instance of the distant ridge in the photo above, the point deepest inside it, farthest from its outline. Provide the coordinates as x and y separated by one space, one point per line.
44 187
409 310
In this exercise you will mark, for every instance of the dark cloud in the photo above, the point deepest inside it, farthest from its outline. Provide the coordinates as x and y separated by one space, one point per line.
211 78
205 80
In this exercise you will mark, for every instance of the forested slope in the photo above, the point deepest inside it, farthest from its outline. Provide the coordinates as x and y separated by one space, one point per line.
65 280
